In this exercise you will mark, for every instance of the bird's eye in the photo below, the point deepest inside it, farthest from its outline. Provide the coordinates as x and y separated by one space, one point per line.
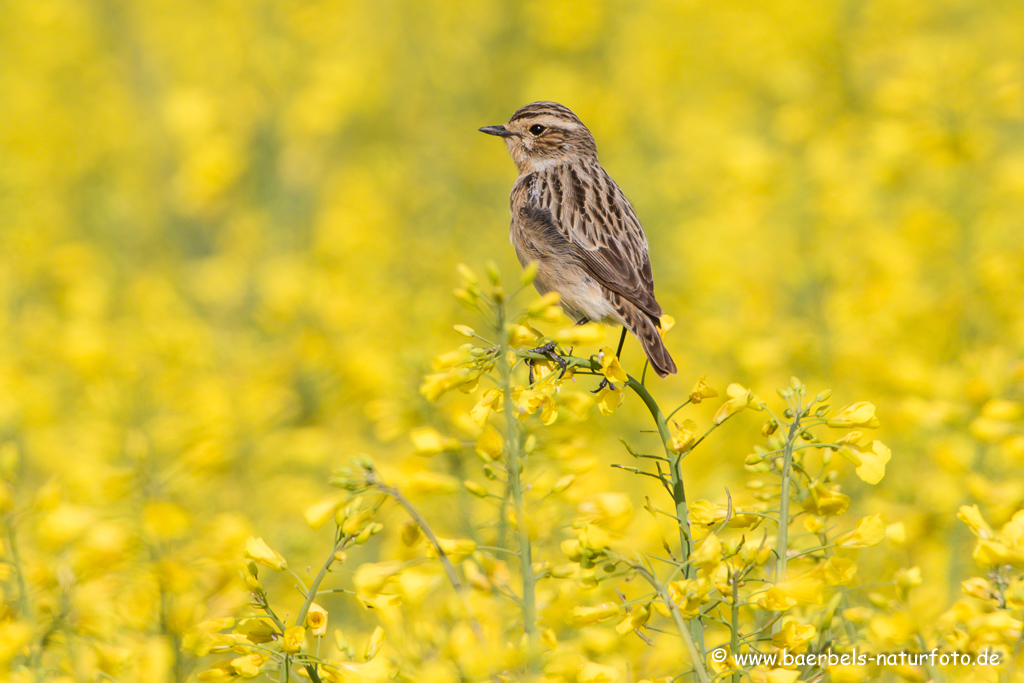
536 129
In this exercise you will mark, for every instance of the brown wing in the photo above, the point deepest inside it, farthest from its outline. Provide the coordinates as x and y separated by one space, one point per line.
594 217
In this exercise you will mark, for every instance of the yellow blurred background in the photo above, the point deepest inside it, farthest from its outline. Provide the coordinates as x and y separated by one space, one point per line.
230 232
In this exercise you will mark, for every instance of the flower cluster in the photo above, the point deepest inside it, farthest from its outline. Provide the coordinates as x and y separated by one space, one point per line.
229 231
556 581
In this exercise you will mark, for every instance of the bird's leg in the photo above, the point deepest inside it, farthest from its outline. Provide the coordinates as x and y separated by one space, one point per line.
549 351
622 340
618 354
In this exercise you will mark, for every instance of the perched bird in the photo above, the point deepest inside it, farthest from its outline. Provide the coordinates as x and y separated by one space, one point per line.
570 217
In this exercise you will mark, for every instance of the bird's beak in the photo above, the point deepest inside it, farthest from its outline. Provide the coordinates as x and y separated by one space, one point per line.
497 130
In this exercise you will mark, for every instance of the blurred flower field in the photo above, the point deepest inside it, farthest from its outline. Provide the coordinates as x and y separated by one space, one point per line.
243 432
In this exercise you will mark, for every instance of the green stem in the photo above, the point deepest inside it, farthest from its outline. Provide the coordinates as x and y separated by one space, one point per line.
675 470
446 562
12 541
696 657
782 546
678 496
734 641
513 451
313 588
787 465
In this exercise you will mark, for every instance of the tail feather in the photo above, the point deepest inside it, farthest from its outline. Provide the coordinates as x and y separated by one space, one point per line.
645 329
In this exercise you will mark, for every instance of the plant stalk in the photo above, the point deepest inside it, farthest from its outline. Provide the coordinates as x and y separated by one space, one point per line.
513 453
678 497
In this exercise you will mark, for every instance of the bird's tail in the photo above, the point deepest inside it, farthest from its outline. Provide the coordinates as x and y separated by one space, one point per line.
645 328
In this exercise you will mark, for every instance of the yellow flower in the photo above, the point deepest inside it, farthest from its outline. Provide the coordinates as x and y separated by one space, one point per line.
593 538
377 670
890 630
293 640
549 638
709 553
907 578
1014 594
860 414
706 513
689 594
316 620
993 553
374 644
452 359
257 550
971 516
774 676
1013 531
609 509
609 399
665 324
1002 409
806 588
429 481
611 368
257 631
896 533
490 445
455 548
744 518
826 502
739 398
221 671
813 524
838 571
794 636
588 333
634 620
977 587
684 436
428 441
870 531
438 383
492 399
597 673
476 578
522 335
873 461
15 636
990 430
540 307
702 390
249 665
357 521
586 615
318 513
529 400
371 578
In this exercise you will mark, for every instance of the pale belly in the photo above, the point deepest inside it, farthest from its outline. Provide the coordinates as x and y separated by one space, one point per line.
582 296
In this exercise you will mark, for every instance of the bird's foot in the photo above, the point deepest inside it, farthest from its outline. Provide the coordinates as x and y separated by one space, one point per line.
549 351
604 383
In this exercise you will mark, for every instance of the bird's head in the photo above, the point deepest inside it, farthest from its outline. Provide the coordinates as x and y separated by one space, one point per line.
544 134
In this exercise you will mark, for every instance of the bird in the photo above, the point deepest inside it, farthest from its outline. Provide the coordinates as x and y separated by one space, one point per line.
570 217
